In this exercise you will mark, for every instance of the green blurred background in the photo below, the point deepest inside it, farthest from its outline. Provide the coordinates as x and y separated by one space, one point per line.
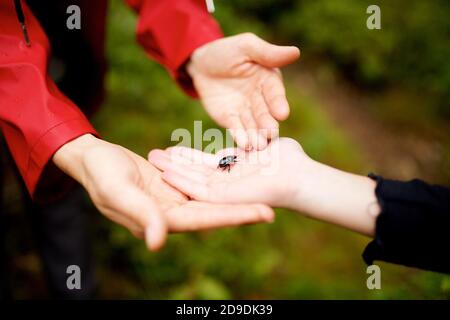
362 100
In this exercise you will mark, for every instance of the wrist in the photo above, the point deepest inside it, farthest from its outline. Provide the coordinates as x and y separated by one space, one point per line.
195 58
304 185
70 157
337 197
190 68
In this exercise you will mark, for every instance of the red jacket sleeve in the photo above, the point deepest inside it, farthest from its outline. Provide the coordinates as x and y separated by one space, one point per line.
35 117
170 30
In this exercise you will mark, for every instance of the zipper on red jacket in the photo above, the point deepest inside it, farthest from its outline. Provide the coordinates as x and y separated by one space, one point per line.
21 18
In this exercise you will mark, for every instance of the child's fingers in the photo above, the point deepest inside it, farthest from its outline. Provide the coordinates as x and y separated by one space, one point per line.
192 188
197 156
159 159
163 162
193 155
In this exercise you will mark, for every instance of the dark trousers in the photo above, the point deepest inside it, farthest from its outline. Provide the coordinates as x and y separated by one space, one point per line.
61 232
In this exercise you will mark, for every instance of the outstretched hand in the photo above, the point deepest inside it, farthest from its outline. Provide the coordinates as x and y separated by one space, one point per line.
281 175
129 190
257 176
241 87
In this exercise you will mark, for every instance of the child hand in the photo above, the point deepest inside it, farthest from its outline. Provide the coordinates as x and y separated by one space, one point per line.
281 175
258 176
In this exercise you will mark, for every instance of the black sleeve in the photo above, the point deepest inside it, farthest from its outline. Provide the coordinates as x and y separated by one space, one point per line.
413 228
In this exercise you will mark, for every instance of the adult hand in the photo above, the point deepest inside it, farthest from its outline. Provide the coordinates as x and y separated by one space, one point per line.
240 86
128 190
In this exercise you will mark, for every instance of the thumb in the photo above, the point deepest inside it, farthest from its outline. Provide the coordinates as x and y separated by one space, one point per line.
145 212
156 230
267 54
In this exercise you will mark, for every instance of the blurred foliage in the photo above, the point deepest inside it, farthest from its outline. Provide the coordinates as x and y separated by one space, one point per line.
411 49
295 257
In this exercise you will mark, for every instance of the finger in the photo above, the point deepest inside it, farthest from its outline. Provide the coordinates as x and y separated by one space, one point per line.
275 97
162 158
194 155
228 152
257 140
164 162
203 165
197 215
139 207
189 187
156 231
237 131
159 159
197 155
220 191
267 54
263 118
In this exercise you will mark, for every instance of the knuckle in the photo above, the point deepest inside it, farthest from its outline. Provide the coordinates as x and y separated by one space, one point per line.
247 118
249 35
260 114
103 193
247 40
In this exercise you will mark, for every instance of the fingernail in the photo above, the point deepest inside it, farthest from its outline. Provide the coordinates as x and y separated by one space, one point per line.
262 142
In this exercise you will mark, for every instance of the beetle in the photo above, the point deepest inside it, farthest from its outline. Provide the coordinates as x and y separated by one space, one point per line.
227 162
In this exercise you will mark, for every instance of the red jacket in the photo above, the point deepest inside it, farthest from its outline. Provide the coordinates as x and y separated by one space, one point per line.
36 118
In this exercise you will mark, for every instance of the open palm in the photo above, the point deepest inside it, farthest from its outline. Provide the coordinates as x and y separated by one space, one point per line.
240 86
183 215
127 189
257 176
